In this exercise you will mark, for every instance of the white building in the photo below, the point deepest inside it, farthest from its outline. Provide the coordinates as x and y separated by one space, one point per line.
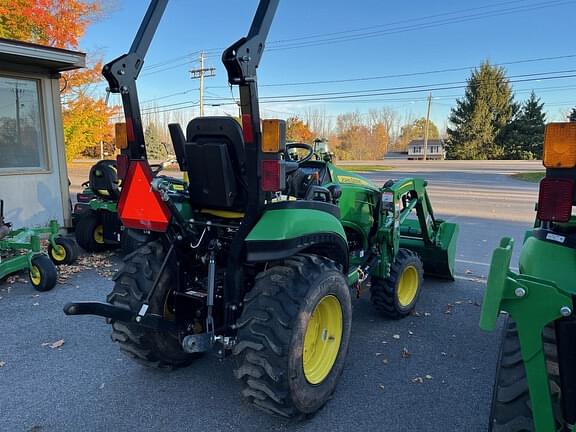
435 149
33 175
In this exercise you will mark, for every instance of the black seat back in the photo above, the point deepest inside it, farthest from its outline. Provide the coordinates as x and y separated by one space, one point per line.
215 161
104 180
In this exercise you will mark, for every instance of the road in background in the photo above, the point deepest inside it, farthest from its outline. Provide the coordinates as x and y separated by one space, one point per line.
432 371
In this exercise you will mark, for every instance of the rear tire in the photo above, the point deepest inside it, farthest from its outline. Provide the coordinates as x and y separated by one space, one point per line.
511 408
130 240
89 232
65 253
133 282
306 298
43 274
397 296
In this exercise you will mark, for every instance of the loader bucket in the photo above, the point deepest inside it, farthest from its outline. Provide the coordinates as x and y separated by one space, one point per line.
439 256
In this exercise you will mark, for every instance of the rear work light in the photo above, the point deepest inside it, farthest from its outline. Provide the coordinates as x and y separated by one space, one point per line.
273 175
120 136
139 206
273 136
555 199
560 145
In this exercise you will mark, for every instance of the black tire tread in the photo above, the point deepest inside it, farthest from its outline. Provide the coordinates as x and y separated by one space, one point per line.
48 273
383 291
265 329
132 283
511 408
84 231
71 250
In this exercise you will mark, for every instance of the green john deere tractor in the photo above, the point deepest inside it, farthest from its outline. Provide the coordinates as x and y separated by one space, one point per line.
257 256
535 388
97 226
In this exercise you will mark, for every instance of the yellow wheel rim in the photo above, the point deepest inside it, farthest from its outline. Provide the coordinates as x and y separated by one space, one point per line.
99 234
408 286
58 253
322 339
35 275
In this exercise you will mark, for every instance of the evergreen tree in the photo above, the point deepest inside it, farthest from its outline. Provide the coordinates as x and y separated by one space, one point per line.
154 147
523 138
572 116
481 115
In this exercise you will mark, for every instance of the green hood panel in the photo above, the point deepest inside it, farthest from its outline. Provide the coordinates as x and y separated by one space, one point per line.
285 224
550 261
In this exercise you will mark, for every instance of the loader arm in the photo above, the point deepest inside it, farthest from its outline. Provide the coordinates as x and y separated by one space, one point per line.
122 73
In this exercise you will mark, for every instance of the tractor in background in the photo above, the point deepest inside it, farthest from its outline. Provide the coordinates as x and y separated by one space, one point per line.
258 252
97 226
535 387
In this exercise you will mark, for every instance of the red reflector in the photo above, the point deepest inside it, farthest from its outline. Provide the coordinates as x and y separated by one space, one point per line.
247 128
555 199
122 163
130 130
270 175
140 207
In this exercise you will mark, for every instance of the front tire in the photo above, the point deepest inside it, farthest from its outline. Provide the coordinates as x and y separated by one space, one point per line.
133 282
397 296
90 232
43 274
65 252
511 407
293 336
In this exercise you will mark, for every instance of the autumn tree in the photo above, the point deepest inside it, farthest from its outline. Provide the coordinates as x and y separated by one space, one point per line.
416 130
298 131
61 24
480 117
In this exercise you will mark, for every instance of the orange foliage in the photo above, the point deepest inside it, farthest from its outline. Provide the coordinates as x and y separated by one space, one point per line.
57 23
297 130
61 24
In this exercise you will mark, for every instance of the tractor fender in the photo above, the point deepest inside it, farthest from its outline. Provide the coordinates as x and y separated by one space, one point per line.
291 227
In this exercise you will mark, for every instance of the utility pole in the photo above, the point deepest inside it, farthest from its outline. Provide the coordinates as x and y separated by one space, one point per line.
427 126
200 74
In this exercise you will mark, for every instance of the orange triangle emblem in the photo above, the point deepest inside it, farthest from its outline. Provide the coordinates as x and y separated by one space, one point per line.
140 207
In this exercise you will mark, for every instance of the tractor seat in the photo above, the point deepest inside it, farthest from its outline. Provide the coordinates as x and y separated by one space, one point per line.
104 180
214 159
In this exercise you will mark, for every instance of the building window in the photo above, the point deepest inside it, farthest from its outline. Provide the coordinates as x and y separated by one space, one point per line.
22 140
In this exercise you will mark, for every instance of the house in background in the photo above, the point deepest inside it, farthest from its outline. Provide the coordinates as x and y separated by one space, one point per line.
435 151
33 174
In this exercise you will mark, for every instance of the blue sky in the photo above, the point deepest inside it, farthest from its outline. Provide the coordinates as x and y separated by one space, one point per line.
399 38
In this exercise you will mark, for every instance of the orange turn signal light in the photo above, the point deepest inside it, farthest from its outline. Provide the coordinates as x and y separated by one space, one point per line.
560 145
121 136
273 136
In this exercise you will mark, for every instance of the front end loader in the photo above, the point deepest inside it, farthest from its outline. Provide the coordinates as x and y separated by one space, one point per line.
535 388
257 254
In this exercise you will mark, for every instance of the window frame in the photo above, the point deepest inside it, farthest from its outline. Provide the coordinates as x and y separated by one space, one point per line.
46 167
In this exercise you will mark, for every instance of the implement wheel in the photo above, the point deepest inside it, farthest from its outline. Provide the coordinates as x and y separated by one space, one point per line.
152 348
293 336
65 252
396 296
43 274
511 408
90 232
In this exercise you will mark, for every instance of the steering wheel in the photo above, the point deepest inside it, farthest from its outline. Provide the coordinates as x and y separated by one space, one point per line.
299 146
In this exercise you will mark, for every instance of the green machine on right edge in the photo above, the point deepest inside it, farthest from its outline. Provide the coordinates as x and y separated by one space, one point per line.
535 388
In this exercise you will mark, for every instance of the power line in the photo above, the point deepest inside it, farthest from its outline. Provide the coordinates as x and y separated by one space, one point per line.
433 24
325 39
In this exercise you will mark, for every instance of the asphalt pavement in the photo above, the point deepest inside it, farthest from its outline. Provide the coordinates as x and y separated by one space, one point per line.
432 371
